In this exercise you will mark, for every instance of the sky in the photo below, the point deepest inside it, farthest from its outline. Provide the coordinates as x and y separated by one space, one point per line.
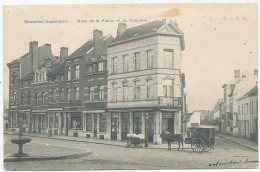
218 38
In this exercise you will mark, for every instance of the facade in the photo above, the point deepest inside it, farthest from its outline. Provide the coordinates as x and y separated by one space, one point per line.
106 88
145 83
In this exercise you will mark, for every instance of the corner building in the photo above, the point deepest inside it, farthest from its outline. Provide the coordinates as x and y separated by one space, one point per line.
145 83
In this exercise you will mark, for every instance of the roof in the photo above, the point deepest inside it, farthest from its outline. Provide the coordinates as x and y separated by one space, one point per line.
83 49
252 92
145 30
57 68
28 77
20 58
140 30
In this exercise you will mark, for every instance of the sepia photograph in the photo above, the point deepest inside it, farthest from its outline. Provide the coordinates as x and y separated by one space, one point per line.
165 86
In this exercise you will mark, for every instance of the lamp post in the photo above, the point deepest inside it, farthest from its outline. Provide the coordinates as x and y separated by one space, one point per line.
146 137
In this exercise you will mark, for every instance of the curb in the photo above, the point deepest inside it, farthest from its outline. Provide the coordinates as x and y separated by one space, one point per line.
46 158
82 141
238 143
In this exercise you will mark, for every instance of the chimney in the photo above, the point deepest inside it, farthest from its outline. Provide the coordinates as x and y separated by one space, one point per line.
237 75
255 72
48 46
97 34
63 53
33 49
121 28
47 62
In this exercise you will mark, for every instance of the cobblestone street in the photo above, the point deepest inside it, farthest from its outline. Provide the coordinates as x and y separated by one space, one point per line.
226 154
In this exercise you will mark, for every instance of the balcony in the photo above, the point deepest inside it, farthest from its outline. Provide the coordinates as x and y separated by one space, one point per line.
75 102
170 101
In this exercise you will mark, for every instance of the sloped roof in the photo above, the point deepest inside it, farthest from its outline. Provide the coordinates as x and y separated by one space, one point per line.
57 68
20 58
252 92
83 49
145 30
140 30
28 77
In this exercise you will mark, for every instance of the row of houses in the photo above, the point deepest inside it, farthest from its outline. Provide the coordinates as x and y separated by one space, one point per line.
105 89
237 111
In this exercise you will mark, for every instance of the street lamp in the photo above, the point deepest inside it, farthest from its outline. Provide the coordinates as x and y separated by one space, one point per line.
146 137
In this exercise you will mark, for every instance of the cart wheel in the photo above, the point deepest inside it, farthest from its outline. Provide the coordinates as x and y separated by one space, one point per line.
208 148
197 145
140 144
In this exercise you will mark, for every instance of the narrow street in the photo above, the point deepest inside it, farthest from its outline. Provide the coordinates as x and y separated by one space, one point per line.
226 154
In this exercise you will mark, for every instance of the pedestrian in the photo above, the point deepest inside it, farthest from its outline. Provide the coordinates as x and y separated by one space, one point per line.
6 125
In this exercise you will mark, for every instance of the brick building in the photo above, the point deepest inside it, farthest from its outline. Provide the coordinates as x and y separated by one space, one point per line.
106 88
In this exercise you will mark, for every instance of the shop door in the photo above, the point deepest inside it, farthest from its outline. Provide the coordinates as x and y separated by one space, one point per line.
149 129
39 122
125 126
137 123
95 125
114 126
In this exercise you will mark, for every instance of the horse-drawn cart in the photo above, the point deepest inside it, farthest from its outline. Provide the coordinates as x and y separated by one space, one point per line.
135 140
201 139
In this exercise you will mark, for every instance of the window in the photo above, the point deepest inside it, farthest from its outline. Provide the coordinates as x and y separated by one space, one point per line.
43 98
22 98
136 90
149 59
68 94
95 67
148 89
91 94
125 90
62 94
53 95
76 93
90 69
136 61
168 58
69 73
101 66
103 123
44 75
61 77
14 79
37 98
101 92
14 97
168 88
114 92
89 122
56 124
75 121
114 65
125 63
77 71
29 98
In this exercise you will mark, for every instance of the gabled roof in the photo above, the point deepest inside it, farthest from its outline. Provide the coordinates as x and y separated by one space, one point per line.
150 28
17 60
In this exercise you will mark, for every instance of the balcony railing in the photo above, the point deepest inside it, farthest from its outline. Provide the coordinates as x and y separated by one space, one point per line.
75 102
169 101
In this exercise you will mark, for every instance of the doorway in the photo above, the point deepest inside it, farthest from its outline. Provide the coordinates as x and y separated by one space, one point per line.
125 126
114 126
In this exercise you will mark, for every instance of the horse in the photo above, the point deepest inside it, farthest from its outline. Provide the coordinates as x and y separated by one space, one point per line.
172 138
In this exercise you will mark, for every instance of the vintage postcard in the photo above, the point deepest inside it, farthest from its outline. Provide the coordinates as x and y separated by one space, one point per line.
130 87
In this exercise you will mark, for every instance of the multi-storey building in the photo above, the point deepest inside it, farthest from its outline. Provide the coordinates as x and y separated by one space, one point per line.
107 88
28 86
145 83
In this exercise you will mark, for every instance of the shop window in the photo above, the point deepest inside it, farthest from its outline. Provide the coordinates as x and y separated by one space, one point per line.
103 123
76 121
137 123
50 120
56 124
89 122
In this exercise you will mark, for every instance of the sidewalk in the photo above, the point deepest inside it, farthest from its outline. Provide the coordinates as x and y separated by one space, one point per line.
99 141
241 141
36 153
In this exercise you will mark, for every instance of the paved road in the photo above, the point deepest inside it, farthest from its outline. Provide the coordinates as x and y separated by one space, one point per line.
225 155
